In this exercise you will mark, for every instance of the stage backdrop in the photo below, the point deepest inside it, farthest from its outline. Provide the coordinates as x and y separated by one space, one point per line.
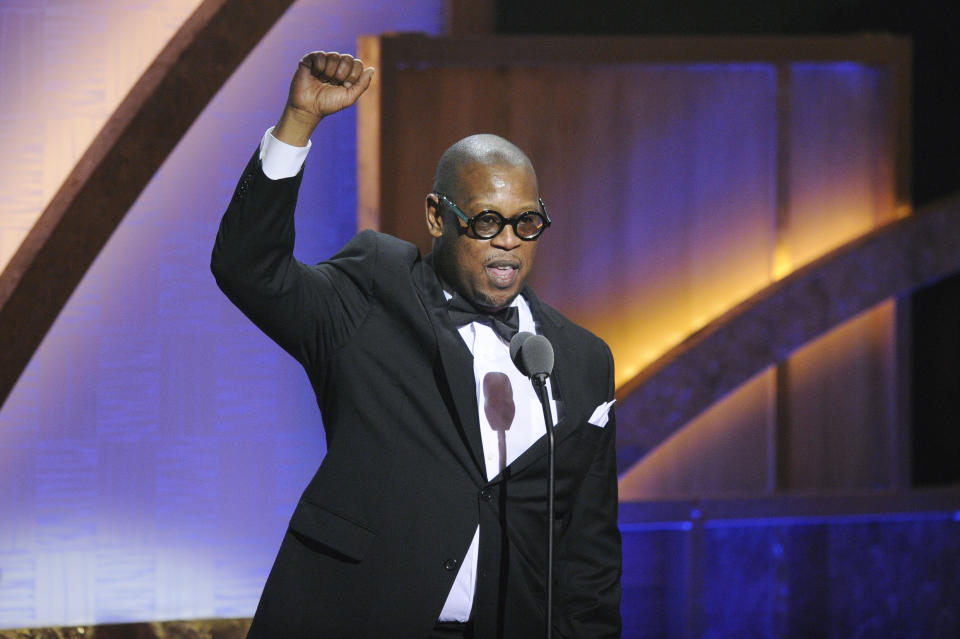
683 176
153 450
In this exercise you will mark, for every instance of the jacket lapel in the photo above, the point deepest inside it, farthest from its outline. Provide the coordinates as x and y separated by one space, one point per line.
457 381
569 403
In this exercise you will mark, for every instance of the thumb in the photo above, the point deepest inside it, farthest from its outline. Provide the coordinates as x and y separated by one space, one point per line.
361 85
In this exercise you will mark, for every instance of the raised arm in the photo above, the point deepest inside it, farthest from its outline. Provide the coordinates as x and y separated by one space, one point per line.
306 309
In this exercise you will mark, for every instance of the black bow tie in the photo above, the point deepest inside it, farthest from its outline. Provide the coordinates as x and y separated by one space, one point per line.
506 321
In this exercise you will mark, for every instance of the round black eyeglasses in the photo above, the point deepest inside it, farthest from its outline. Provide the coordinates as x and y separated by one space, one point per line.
488 224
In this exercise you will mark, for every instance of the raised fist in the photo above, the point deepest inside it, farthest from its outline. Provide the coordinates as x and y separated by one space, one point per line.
323 84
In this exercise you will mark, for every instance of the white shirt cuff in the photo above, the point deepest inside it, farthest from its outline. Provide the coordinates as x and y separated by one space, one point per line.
281 160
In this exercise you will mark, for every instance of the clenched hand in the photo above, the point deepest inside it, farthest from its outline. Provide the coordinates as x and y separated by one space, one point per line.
323 84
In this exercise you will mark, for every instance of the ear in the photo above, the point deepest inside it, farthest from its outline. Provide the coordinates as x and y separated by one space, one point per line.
434 218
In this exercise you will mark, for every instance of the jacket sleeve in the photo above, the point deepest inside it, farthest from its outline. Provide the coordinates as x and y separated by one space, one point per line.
589 561
308 310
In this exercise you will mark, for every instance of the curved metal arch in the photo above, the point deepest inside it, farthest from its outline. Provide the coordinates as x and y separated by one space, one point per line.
888 262
117 166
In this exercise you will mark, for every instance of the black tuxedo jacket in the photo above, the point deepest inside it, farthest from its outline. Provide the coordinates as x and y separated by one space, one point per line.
377 538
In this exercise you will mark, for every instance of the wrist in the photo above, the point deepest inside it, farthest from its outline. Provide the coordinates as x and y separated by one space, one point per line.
295 126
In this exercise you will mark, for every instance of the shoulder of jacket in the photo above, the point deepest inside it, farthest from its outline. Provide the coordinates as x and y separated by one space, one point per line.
389 249
578 332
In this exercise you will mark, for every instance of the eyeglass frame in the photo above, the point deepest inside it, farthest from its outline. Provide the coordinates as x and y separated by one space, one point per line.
504 221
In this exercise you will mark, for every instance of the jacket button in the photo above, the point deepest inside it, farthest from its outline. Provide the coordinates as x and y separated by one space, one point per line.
486 494
244 184
450 564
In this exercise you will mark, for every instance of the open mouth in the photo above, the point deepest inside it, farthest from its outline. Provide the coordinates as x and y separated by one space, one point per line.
503 273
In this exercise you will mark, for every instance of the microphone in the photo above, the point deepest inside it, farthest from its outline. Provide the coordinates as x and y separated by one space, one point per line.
516 344
537 357
533 355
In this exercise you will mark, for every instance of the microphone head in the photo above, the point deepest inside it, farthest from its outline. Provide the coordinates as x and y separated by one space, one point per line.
516 345
537 356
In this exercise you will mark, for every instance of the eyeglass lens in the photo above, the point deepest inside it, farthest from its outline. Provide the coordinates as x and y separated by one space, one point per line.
489 223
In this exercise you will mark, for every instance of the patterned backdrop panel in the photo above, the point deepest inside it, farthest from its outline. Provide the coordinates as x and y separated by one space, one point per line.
153 450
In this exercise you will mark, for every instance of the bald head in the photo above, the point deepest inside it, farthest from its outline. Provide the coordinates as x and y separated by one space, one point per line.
483 148
482 174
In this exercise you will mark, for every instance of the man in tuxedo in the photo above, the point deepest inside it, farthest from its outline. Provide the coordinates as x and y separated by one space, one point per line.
427 517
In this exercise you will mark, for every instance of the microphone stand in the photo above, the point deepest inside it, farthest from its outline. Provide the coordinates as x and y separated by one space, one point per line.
540 386
533 356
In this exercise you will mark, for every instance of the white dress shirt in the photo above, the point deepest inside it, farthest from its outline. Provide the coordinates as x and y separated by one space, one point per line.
491 355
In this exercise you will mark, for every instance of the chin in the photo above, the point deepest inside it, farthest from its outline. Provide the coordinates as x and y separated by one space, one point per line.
495 301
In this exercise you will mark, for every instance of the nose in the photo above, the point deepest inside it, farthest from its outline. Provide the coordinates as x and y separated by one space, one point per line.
506 239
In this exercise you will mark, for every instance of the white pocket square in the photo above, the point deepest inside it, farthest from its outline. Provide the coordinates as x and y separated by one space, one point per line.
601 414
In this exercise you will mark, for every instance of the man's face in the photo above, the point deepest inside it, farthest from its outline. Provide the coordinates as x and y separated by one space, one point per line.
488 273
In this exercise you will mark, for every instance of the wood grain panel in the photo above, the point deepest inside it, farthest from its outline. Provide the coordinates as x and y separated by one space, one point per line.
684 177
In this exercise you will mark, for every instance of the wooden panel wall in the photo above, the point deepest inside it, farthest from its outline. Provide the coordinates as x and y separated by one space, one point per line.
683 176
